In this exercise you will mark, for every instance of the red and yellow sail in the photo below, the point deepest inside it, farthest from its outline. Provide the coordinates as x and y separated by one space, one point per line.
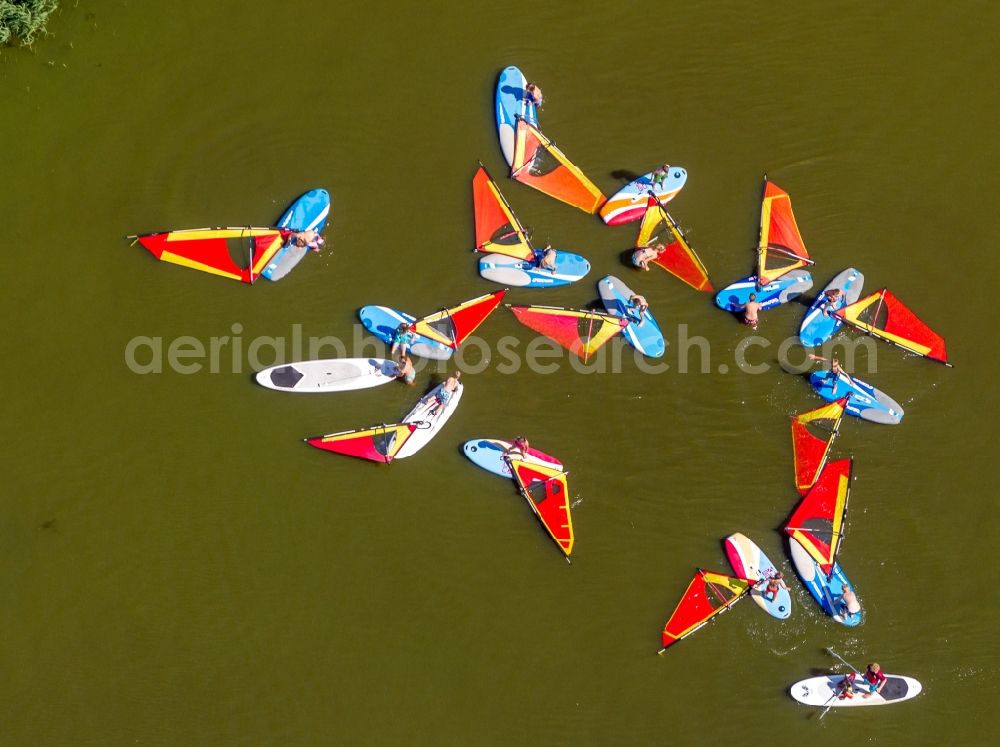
881 314
379 443
212 249
818 522
547 491
452 326
497 228
781 248
813 433
678 258
580 332
540 164
706 596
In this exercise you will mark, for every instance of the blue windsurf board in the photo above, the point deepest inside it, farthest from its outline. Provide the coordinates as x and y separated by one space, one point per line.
826 590
511 271
383 322
784 289
310 211
819 324
512 103
864 400
642 332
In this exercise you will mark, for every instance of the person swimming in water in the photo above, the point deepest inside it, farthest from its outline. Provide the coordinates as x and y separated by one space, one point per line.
645 254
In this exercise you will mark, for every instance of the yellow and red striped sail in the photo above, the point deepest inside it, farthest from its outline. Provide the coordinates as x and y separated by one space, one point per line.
580 332
818 521
547 492
706 596
881 314
540 164
215 250
813 433
379 443
781 248
497 228
678 258
452 326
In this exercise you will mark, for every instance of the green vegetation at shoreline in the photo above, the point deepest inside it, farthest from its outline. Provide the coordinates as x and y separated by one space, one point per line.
21 20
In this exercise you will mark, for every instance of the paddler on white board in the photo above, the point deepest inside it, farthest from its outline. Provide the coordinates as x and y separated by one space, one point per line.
874 679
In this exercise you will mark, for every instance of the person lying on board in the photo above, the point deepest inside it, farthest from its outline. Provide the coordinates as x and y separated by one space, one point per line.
642 255
874 678
533 94
547 259
847 602
835 368
637 306
402 338
750 309
407 373
518 446
444 394
771 586
307 239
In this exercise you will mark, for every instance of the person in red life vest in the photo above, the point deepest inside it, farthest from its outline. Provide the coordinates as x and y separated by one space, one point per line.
874 679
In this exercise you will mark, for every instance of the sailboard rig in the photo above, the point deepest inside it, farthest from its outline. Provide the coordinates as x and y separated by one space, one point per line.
678 258
813 433
881 314
540 164
379 443
497 228
452 326
780 249
581 332
818 521
708 595
547 492
216 250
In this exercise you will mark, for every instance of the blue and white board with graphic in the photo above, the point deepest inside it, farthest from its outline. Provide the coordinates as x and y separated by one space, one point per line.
310 211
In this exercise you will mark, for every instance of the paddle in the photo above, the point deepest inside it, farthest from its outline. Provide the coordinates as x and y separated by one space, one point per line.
847 663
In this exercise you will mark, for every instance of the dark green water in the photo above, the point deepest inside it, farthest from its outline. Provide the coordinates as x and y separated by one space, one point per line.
178 568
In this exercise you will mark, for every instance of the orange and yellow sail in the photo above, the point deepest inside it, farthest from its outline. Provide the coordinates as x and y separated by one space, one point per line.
212 250
818 521
580 332
452 326
677 258
497 228
547 492
781 248
706 596
881 314
813 433
540 164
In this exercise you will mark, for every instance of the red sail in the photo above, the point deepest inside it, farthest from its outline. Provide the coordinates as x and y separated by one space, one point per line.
379 443
580 332
781 248
813 433
677 258
546 489
818 522
707 595
212 249
883 315
452 326
540 164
